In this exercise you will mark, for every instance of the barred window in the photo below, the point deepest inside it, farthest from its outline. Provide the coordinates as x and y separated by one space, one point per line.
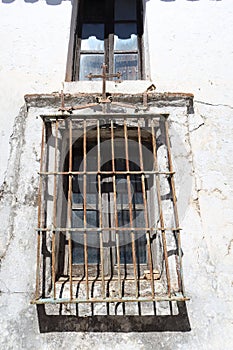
108 228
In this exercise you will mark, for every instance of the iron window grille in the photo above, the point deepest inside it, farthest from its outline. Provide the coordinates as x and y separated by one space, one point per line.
108 31
108 227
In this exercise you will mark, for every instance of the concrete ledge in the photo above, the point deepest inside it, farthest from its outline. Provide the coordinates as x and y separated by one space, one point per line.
158 99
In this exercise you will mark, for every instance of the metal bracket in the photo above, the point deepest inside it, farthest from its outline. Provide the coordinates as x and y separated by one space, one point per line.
106 98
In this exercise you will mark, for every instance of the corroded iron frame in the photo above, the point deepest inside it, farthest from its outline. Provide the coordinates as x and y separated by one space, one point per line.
178 295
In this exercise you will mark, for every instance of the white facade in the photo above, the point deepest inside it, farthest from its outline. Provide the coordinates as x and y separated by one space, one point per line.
188 49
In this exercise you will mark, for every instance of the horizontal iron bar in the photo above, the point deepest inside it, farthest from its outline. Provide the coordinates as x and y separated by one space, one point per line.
100 114
99 229
106 172
108 300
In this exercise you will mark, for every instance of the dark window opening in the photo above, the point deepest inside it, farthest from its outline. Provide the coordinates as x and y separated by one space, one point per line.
109 178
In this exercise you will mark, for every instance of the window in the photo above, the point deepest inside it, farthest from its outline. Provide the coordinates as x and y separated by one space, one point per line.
110 32
108 228
107 202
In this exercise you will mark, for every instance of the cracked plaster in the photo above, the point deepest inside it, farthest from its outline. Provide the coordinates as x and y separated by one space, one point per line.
200 67
205 265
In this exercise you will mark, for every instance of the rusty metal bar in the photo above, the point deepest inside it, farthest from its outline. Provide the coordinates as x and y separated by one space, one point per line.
130 115
130 208
147 114
104 81
85 206
110 300
104 77
133 172
161 210
54 213
115 212
98 229
73 108
38 259
145 211
100 209
174 199
62 98
69 211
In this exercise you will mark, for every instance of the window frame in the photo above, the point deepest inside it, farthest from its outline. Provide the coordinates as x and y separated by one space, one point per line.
75 52
49 201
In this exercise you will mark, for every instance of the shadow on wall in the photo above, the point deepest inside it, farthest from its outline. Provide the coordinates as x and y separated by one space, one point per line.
115 323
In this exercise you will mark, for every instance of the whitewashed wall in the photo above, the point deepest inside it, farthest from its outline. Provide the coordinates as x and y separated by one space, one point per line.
190 46
34 41
190 50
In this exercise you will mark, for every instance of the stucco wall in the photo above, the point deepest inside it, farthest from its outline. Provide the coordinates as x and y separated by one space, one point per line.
34 43
190 47
190 50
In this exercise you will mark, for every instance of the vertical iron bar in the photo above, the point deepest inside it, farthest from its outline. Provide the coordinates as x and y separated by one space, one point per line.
174 198
69 212
100 209
85 204
104 67
157 179
54 212
145 210
39 215
130 208
115 212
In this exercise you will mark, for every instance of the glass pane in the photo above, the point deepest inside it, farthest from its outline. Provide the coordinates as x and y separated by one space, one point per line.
122 190
126 248
141 248
75 183
125 10
127 65
92 37
90 64
78 237
78 249
77 159
138 218
77 198
92 218
125 37
77 218
91 157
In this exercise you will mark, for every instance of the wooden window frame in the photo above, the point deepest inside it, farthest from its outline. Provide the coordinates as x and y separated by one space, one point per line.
74 50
